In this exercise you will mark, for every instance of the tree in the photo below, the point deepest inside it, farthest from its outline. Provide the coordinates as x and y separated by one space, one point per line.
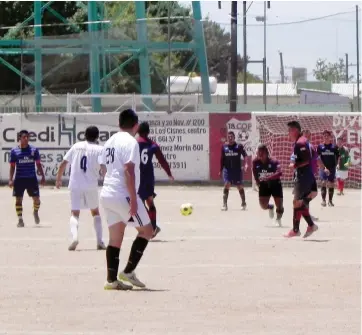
334 72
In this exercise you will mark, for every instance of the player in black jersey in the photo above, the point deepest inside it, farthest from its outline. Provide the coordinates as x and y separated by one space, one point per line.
267 173
231 168
328 159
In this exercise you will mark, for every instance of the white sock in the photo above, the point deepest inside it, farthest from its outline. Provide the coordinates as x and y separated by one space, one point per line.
73 222
97 221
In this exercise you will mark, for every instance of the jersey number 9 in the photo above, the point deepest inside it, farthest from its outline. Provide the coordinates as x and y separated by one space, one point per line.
83 163
144 156
109 155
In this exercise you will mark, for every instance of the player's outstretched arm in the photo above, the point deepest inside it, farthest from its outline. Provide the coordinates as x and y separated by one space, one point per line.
62 167
39 166
163 162
255 173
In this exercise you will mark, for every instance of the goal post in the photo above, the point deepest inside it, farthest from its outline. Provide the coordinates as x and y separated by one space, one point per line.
139 102
270 128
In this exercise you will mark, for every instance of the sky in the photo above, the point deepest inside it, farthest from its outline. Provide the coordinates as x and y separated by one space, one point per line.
300 43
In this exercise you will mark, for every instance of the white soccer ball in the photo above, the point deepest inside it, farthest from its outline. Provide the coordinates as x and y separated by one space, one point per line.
186 209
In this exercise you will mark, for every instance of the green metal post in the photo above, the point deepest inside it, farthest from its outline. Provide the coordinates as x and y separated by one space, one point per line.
37 54
94 55
200 50
143 57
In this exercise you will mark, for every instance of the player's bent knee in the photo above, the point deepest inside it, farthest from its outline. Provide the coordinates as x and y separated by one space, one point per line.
263 203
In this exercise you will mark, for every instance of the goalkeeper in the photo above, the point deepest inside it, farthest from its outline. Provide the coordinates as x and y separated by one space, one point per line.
343 165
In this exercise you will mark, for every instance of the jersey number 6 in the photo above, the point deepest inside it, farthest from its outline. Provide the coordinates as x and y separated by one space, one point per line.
109 155
144 156
83 163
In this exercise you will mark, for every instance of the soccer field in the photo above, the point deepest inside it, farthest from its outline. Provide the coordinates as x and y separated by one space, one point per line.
211 273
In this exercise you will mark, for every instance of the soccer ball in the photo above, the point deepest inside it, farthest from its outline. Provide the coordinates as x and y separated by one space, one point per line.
186 209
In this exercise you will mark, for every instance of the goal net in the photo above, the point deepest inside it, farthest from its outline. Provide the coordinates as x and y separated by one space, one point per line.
108 103
270 128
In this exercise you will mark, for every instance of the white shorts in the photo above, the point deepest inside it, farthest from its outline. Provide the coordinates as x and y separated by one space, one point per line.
84 199
117 210
342 174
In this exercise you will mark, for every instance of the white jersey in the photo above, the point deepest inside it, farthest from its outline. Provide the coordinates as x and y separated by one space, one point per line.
119 150
84 159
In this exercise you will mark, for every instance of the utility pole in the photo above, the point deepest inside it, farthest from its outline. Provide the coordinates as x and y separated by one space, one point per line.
357 54
281 68
347 68
234 56
245 56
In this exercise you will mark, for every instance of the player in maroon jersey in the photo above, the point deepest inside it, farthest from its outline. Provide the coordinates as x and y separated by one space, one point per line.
148 149
267 173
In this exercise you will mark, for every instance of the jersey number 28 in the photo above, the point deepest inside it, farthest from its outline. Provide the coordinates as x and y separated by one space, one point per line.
144 156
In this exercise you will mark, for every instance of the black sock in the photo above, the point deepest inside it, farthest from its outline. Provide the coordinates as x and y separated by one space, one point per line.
112 255
152 214
324 193
330 193
296 219
242 195
279 212
225 196
306 216
138 247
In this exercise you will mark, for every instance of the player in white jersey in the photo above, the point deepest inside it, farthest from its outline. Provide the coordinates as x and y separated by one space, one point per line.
84 159
121 202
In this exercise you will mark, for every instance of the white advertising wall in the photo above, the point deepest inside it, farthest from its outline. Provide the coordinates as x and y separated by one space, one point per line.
183 138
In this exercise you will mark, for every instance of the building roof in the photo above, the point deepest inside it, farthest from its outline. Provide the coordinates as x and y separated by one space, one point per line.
349 90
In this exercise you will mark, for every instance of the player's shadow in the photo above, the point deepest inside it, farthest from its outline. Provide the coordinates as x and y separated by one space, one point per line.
166 241
39 226
317 241
146 289
86 249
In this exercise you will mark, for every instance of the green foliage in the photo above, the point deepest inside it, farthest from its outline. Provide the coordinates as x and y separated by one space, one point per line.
74 74
333 72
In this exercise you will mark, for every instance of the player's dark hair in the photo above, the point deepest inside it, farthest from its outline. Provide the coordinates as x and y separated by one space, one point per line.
295 125
231 133
128 119
264 148
144 129
327 132
91 133
21 133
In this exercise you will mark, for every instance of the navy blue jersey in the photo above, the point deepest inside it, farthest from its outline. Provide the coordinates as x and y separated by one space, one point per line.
148 149
24 159
231 156
328 154
303 159
265 170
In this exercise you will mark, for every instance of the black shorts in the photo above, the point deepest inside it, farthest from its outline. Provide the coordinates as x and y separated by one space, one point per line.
31 186
271 189
304 187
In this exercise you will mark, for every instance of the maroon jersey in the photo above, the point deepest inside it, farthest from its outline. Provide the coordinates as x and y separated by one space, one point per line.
268 170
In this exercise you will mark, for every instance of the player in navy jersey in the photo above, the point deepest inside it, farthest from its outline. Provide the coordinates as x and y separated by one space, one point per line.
267 173
304 181
328 159
23 159
231 169
148 149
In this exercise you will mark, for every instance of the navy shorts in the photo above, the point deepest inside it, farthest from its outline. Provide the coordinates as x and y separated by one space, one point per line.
271 189
146 190
331 177
31 186
304 187
233 177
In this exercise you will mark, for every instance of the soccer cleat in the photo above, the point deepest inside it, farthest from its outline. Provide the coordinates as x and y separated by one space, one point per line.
73 245
324 204
157 230
339 193
310 230
101 246
224 208
243 206
117 285
131 278
278 222
271 213
36 217
20 223
292 233
330 203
